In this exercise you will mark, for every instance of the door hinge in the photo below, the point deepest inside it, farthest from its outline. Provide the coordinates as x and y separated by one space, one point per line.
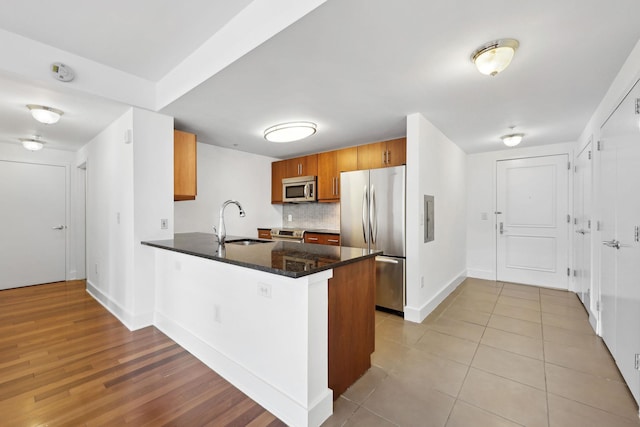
589 154
575 221
637 105
568 219
598 306
597 225
599 146
589 224
575 273
636 233
637 364
575 169
569 165
568 271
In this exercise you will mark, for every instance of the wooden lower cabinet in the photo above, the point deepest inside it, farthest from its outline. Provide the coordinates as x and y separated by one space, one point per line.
351 323
322 238
264 233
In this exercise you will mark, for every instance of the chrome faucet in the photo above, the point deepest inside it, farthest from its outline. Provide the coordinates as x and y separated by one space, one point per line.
221 232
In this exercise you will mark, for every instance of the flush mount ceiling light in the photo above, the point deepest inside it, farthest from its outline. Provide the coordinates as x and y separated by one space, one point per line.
288 132
512 140
32 144
494 56
44 114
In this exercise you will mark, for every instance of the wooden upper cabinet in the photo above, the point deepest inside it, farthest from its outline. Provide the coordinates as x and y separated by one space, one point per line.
330 164
185 177
302 166
278 171
382 154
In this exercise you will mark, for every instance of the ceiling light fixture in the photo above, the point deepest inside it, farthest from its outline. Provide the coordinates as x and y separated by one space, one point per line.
512 140
44 114
288 132
32 144
494 56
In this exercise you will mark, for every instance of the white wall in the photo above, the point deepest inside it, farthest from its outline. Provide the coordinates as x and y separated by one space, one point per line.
75 192
437 167
481 199
225 174
129 188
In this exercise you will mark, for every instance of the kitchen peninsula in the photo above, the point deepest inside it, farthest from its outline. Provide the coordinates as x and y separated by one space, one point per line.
290 324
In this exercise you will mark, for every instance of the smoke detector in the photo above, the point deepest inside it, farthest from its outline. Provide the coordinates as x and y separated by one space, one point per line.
62 72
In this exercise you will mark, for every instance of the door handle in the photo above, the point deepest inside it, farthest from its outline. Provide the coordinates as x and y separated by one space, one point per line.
387 260
365 204
373 217
59 227
612 243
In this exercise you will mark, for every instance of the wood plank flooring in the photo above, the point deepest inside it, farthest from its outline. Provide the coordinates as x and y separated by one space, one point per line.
65 360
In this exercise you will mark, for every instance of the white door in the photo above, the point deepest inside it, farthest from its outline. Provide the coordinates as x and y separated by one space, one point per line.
621 237
582 225
531 218
33 218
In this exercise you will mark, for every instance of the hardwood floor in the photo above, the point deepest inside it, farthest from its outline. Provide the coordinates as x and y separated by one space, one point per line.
65 360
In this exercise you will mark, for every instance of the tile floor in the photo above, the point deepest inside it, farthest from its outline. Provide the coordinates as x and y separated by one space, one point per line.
492 354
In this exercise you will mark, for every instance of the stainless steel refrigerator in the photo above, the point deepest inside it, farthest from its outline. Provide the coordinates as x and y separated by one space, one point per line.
372 216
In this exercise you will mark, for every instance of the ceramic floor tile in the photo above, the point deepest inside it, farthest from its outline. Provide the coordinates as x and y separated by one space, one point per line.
463 314
365 385
517 312
458 328
575 324
465 415
565 310
555 300
514 343
420 368
400 331
387 354
342 410
487 294
519 302
469 303
567 413
534 296
365 418
408 405
557 293
509 399
447 346
509 365
610 396
597 361
521 288
586 340
516 326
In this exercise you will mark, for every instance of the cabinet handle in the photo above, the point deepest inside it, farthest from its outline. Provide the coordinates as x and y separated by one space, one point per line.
313 238
384 157
333 240
388 156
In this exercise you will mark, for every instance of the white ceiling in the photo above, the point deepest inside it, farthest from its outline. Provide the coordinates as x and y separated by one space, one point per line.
355 67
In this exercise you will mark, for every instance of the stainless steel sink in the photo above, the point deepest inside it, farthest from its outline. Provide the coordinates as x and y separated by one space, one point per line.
246 242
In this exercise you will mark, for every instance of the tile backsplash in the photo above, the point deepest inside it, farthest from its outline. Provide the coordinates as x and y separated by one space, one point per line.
311 215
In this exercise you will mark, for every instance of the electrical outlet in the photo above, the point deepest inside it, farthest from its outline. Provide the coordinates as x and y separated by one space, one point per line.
164 224
289 217
264 290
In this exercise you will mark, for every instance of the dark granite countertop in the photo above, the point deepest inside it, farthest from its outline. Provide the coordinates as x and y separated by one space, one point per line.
278 257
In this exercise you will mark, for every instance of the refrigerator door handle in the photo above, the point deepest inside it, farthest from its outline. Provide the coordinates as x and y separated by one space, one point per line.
365 203
387 260
373 218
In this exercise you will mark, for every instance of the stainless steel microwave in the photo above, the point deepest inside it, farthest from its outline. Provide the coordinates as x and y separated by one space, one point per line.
299 189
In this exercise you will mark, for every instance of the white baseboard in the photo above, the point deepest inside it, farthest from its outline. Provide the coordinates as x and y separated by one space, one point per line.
131 321
417 315
481 274
274 400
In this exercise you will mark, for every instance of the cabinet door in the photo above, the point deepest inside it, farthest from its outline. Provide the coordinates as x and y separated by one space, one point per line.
327 173
303 166
312 238
278 171
396 152
347 161
264 233
184 166
370 156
